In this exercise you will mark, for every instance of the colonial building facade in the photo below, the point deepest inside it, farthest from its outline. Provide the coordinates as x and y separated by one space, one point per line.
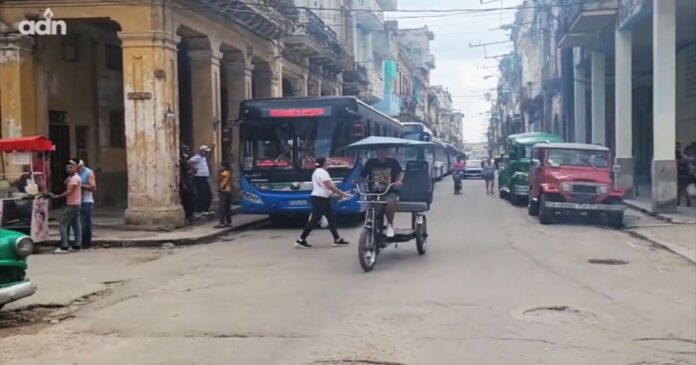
130 83
616 72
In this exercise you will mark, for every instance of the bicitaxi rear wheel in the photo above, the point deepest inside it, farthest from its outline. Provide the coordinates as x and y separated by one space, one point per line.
367 250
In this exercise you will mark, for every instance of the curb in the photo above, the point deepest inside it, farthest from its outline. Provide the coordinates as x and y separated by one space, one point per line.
124 227
664 245
653 214
156 243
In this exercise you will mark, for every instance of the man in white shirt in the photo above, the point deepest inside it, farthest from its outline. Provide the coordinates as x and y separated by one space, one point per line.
323 189
201 179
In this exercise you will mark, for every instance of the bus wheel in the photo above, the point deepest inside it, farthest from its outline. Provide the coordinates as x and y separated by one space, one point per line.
276 219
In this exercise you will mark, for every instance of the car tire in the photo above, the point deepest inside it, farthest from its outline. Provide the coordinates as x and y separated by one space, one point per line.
616 219
515 199
545 214
532 207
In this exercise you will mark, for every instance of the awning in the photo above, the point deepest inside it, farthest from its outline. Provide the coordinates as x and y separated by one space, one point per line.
26 144
374 142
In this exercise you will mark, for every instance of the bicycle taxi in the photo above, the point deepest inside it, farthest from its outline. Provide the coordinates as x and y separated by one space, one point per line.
415 197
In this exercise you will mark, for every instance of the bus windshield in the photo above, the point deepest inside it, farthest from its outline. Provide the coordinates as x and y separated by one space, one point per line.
293 144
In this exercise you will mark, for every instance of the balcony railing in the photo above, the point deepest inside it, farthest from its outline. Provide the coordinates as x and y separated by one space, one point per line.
313 38
369 14
579 21
267 18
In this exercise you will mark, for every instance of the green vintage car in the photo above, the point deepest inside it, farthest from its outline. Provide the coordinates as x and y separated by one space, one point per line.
513 173
14 249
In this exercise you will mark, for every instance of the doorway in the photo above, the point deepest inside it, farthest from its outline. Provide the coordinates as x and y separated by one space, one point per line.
60 136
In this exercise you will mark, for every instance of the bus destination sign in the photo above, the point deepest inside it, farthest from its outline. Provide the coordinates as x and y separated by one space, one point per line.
297 112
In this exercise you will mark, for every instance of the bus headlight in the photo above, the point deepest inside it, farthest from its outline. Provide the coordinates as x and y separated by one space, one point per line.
252 198
603 189
567 187
24 246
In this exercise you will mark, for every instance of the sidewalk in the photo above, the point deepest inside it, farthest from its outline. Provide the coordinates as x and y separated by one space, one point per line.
109 233
643 203
679 238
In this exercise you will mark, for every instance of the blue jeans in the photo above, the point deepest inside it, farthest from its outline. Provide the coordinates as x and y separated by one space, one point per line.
70 219
86 223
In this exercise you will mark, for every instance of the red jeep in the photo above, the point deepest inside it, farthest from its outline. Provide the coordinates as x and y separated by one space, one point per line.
573 178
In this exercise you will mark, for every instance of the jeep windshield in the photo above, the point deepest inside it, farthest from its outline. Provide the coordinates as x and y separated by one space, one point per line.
577 157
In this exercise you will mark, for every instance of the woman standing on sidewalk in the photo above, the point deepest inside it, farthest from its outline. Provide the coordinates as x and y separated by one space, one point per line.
322 190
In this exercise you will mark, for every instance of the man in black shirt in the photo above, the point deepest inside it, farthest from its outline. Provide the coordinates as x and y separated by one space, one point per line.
383 171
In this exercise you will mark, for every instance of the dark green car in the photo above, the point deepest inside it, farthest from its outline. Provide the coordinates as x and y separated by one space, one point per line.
14 249
513 173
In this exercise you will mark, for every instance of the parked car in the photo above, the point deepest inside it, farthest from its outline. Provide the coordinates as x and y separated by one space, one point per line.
513 182
15 247
473 169
572 178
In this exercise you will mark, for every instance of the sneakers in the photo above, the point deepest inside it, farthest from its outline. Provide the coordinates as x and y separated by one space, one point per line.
390 231
224 225
61 251
300 243
341 243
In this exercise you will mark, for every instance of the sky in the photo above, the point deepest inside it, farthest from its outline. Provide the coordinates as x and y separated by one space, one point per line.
462 69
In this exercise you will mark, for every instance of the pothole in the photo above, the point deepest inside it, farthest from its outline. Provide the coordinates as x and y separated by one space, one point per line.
33 316
556 314
608 262
354 362
673 345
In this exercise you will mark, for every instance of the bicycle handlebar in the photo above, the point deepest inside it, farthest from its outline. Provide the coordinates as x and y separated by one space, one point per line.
378 195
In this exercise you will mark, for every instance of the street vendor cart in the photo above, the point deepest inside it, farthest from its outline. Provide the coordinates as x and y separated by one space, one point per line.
24 183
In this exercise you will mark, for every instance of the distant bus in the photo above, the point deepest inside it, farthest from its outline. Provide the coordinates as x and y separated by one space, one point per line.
280 139
437 155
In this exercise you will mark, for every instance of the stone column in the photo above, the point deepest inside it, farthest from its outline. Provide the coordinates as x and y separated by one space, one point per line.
623 88
304 86
664 168
152 128
269 83
239 79
205 83
599 98
19 96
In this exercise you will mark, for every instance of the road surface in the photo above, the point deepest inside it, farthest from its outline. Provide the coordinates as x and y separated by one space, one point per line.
494 288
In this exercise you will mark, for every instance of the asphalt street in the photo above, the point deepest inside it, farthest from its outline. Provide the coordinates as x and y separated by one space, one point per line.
495 287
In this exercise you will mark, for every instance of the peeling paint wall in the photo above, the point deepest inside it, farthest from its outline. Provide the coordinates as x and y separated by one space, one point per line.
88 92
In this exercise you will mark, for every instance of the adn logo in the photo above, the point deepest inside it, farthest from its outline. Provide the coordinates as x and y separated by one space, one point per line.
47 26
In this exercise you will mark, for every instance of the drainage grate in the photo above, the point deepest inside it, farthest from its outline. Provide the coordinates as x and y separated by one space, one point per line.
607 262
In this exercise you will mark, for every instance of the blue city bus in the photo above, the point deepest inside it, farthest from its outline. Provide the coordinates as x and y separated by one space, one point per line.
440 159
280 139
436 155
418 132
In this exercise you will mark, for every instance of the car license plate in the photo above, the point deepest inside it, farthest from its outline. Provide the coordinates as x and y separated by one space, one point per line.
297 202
